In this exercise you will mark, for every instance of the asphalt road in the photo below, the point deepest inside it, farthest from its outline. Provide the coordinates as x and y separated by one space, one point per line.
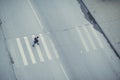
69 47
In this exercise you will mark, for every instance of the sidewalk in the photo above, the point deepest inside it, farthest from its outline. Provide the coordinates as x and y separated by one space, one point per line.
107 15
6 70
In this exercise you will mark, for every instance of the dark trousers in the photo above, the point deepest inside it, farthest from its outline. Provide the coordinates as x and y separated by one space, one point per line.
35 42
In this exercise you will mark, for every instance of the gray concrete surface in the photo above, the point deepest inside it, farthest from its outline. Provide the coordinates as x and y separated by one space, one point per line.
70 47
6 69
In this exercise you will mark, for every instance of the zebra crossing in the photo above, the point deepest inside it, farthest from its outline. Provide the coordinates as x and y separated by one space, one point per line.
94 38
45 51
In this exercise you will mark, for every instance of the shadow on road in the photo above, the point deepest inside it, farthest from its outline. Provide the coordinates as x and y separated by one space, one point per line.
88 16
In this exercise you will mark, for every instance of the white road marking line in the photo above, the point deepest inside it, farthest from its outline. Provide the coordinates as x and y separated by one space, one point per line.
49 56
21 51
35 14
54 49
89 37
64 71
97 37
82 39
39 51
45 47
30 50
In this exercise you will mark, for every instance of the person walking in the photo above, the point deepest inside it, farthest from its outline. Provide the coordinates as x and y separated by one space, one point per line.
35 41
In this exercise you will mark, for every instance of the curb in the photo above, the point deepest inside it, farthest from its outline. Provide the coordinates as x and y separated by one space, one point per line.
95 22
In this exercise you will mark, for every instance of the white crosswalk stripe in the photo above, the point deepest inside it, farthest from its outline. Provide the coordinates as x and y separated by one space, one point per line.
82 39
97 37
30 50
54 49
39 51
89 37
45 47
21 51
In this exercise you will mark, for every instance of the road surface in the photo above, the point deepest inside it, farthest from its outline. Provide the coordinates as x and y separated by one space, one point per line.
70 48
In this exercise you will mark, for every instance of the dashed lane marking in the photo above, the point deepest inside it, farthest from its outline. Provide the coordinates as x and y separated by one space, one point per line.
64 71
36 16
